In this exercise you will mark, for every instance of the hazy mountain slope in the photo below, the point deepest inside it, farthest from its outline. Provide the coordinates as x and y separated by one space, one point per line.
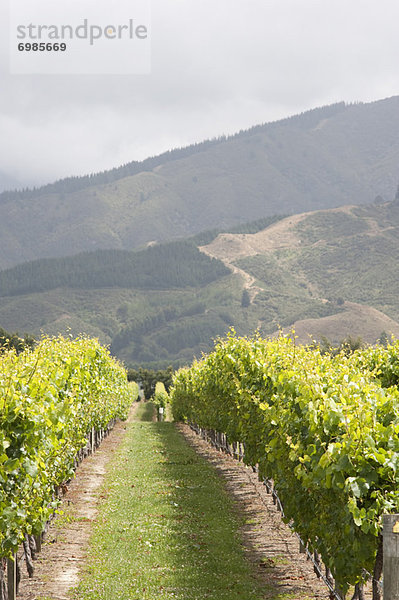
327 157
330 272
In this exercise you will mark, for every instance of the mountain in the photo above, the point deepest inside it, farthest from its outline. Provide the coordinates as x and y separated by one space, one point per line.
328 157
327 273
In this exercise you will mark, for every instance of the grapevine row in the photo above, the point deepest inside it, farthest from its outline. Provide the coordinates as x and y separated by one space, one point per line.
324 428
50 400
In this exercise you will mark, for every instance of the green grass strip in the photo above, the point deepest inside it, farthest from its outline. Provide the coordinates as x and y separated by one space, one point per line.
145 411
167 528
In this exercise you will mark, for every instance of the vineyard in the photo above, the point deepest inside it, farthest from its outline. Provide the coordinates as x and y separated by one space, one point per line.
55 402
321 431
324 429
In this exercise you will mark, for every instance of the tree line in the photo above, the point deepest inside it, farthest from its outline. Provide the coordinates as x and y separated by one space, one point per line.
148 378
173 265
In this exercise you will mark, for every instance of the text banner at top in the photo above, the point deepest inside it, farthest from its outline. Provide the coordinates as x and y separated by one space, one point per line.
80 37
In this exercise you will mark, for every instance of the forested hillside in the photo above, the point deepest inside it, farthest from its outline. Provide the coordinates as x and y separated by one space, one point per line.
155 305
174 265
331 156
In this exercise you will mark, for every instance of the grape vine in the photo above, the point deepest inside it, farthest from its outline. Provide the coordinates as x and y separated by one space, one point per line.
324 428
50 399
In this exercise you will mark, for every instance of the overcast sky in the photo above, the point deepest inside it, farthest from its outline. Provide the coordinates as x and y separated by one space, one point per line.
218 66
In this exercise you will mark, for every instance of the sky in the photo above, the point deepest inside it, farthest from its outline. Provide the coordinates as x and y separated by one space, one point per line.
218 66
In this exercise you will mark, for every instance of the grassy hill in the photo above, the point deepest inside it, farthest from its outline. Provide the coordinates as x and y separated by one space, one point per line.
329 272
344 260
327 157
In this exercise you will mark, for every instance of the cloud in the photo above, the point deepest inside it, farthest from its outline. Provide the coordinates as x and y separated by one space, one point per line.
217 67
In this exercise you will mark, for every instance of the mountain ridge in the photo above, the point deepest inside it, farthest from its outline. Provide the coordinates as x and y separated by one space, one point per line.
338 155
154 162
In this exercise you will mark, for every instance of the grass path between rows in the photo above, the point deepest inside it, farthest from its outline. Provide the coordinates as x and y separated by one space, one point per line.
166 527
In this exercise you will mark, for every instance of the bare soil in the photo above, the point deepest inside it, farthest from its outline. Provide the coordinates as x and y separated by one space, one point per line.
229 247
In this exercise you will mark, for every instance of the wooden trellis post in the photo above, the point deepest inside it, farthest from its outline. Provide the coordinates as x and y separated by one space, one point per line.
391 557
12 578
